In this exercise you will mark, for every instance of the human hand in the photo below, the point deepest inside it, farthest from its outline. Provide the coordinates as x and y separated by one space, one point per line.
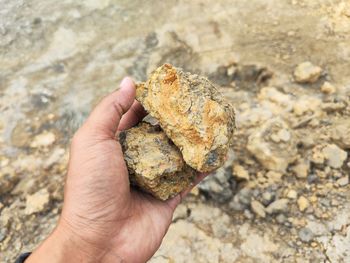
103 219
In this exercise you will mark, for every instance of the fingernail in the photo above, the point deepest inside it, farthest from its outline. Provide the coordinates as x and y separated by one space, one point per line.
126 82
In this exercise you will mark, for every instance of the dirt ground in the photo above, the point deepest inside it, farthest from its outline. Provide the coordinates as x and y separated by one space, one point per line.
283 193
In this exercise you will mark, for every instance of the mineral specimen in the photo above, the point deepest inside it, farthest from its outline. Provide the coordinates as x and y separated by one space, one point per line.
192 113
155 164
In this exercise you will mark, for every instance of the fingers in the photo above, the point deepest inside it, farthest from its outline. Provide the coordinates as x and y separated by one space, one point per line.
133 116
104 120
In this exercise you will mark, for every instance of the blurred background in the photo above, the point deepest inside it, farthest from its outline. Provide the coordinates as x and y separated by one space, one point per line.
285 66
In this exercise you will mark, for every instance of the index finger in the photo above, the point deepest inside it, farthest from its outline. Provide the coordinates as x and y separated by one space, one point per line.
132 117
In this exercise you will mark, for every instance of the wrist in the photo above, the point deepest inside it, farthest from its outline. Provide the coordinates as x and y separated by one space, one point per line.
65 246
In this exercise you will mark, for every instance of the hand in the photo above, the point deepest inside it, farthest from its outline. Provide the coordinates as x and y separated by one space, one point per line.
103 219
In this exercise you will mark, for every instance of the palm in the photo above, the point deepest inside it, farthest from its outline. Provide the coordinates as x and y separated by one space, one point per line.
116 215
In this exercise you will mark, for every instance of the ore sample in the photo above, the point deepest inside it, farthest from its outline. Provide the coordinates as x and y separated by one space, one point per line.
155 164
192 113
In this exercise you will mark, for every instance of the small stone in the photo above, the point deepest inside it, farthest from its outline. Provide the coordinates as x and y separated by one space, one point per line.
318 155
303 203
313 199
284 135
278 206
306 235
312 178
44 139
340 133
330 107
8 180
301 169
4 161
245 196
267 198
306 72
248 214
328 88
314 244
193 114
240 172
3 233
37 202
292 194
273 156
281 218
274 176
343 181
258 208
236 205
334 155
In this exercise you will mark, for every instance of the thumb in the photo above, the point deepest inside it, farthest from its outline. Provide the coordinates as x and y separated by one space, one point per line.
104 119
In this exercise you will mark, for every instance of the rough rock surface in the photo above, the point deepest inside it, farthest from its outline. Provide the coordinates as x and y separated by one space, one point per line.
307 72
192 113
273 145
154 162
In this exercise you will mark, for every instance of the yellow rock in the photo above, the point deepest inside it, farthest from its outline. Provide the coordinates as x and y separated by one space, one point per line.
328 88
303 203
155 164
192 113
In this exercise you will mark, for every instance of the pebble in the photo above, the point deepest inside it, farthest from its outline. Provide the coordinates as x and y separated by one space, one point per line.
245 196
303 203
318 155
274 176
281 218
284 135
267 198
258 208
301 169
292 194
305 234
240 172
334 155
3 233
307 72
8 179
328 88
340 133
248 214
343 181
37 202
236 205
43 140
312 178
278 206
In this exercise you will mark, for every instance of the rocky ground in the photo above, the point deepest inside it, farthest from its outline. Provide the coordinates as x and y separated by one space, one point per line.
283 193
